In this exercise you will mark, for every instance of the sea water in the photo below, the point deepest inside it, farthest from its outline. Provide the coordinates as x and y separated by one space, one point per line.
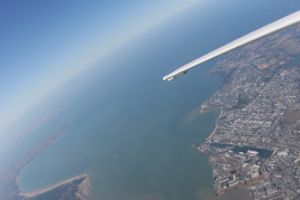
132 132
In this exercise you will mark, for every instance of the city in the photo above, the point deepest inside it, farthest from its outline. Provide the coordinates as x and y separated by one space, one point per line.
255 143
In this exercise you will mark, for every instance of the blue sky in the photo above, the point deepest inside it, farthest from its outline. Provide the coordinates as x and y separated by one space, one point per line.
45 43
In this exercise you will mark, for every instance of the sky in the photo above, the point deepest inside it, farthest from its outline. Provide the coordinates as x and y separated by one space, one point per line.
44 44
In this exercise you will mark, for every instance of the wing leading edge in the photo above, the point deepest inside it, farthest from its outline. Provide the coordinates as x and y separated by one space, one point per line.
257 34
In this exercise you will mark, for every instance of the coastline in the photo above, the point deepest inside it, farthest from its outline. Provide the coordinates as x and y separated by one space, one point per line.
221 113
9 179
233 193
82 192
250 128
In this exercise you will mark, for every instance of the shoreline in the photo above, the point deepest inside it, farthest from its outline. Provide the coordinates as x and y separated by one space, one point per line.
233 193
221 112
83 187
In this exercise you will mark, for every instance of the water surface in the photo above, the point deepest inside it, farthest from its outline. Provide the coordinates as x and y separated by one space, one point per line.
132 132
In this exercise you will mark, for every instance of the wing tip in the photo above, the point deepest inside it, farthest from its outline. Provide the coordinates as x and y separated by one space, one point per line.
173 75
168 78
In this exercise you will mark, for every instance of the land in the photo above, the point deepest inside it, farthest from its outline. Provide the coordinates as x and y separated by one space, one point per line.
255 144
234 194
75 188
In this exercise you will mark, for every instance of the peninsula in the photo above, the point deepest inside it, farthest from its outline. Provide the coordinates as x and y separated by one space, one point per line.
74 188
255 143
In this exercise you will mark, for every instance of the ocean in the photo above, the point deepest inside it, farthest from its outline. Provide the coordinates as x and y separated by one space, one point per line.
132 132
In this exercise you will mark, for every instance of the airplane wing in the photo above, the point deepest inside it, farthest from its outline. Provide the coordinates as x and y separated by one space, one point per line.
259 33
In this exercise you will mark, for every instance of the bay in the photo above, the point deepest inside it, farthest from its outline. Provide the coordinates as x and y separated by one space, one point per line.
132 132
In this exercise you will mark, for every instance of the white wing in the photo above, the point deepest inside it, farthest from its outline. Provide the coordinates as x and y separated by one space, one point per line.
259 33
